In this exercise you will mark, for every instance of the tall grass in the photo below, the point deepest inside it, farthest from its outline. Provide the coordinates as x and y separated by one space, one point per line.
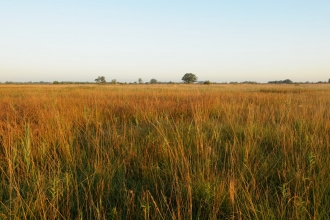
164 152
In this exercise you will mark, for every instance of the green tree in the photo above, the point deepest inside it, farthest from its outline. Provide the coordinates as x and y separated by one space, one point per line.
140 81
114 81
100 80
153 81
189 78
287 81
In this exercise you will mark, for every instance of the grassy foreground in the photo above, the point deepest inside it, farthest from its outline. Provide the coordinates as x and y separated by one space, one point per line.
165 152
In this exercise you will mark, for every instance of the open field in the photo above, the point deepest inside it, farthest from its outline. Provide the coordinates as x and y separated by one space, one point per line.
165 152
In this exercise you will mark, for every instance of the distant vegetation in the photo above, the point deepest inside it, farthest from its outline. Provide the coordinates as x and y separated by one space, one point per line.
153 81
100 80
188 78
286 81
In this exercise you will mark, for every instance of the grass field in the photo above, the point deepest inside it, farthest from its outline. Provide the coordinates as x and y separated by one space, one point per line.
165 152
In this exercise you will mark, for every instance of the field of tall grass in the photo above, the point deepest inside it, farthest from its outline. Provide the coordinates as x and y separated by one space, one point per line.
165 152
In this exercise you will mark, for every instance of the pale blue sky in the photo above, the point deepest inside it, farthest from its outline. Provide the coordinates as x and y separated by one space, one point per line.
126 40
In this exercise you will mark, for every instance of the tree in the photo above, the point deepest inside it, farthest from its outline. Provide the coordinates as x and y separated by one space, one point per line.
114 81
287 81
100 80
56 82
329 81
189 78
153 81
207 82
140 81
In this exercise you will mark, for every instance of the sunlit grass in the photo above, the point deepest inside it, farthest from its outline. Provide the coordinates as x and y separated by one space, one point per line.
165 152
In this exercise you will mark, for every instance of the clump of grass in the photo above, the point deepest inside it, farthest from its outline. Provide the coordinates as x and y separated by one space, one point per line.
164 152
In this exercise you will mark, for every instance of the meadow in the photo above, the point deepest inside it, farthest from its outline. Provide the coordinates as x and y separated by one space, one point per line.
165 152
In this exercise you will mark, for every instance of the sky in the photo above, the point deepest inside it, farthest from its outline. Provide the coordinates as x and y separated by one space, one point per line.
217 40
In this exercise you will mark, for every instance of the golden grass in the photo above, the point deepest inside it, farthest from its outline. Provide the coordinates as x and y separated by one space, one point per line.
165 152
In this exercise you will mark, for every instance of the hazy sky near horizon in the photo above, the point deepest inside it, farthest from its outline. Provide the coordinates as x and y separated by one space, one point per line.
217 40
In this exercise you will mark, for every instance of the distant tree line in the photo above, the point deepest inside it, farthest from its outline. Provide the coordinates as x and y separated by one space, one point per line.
286 81
188 78
30 82
69 82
